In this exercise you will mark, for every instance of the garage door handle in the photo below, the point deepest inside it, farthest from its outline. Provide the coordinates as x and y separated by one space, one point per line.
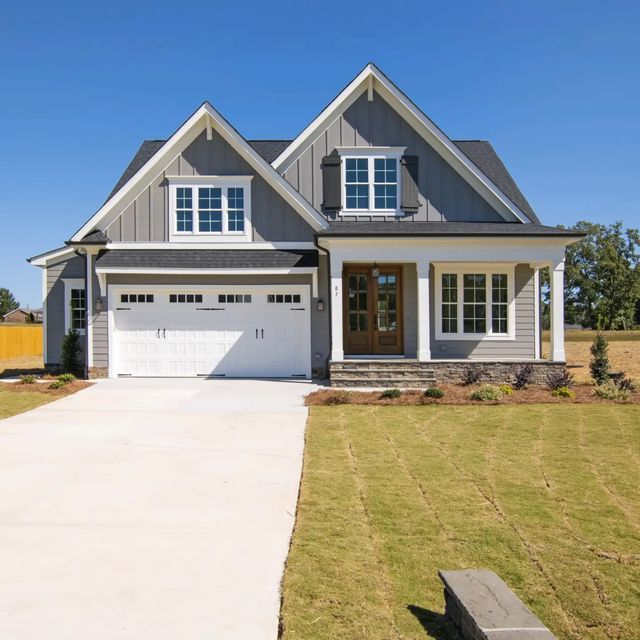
164 333
262 333
158 334
256 334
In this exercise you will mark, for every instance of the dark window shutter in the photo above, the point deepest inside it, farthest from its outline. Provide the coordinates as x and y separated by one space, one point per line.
410 202
331 183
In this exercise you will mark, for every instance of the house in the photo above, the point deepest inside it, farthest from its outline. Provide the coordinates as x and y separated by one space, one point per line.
372 248
23 315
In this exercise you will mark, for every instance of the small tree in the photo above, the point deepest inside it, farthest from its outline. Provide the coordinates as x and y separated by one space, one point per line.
7 301
600 360
70 361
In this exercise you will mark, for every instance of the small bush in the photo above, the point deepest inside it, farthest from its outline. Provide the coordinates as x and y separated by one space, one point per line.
70 361
486 393
391 393
338 397
626 384
523 376
610 391
506 389
66 377
433 392
473 374
563 392
57 384
562 378
28 379
600 360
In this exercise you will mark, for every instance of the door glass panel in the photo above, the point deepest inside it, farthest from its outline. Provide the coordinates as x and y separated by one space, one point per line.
358 302
387 303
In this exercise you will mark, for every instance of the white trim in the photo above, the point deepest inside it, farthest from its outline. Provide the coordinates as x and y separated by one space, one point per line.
423 312
44 315
371 154
173 147
486 269
536 313
217 237
284 246
213 180
418 120
74 283
556 277
88 314
44 259
115 289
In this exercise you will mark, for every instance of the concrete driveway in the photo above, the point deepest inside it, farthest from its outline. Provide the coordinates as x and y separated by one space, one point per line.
150 509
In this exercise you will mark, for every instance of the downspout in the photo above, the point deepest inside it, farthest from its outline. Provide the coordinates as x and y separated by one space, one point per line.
329 299
83 252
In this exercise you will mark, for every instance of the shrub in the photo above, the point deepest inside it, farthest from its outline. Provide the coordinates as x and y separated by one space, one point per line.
473 374
523 376
66 377
563 392
391 393
562 378
28 379
338 397
506 389
57 384
486 393
626 384
610 391
600 360
433 392
70 361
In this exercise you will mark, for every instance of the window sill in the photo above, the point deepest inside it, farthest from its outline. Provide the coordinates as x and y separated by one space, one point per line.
374 212
475 337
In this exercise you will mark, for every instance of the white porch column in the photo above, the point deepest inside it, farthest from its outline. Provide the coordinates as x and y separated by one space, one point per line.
89 309
556 272
337 348
424 337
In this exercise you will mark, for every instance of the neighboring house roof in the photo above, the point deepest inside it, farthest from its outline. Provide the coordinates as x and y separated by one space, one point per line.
25 310
409 229
206 259
480 152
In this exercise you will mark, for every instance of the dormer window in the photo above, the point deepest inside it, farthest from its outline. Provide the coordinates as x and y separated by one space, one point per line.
215 209
371 181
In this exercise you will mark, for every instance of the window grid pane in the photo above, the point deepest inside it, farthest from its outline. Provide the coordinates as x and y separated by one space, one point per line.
78 309
385 188
474 309
210 210
449 303
357 183
499 299
235 206
184 209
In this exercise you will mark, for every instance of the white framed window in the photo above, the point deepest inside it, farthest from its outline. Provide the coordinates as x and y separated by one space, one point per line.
210 207
371 180
75 305
474 302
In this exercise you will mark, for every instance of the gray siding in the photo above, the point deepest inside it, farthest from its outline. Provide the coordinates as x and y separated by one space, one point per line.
145 219
444 194
522 347
56 273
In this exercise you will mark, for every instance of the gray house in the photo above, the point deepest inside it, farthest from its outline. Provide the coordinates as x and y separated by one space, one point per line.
370 248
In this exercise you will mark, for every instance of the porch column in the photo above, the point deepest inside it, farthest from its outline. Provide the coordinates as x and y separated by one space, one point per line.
424 337
337 348
557 311
88 297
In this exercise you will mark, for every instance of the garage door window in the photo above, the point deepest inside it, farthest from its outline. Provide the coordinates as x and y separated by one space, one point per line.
283 298
185 298
136 297
234 298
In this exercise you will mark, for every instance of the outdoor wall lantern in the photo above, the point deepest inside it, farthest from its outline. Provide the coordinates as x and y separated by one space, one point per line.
99 305
375 271
320 304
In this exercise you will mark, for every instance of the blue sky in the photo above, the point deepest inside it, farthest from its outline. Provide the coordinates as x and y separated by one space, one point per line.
555 86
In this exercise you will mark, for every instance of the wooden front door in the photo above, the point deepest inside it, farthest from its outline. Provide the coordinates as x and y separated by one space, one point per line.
372 310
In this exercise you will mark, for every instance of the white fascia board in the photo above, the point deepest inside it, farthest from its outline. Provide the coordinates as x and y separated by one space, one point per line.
188 131
244 246
420 122
44 259
194 272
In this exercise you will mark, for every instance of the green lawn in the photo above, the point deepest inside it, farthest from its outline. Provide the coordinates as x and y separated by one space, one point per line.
12 402
546 496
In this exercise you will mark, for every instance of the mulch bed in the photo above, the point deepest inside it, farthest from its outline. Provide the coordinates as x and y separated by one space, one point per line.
459 395
40 387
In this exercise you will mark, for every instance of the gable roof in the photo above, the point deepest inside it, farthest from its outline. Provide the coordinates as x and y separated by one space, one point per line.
205 117
370 79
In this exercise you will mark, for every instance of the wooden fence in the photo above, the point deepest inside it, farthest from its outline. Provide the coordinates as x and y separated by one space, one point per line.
20 340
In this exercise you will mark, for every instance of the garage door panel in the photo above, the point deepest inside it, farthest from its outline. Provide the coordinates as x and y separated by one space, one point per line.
250 337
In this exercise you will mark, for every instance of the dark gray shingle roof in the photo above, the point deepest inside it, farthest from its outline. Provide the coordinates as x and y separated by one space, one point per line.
480 152
95 237
207 259
407 229
483 155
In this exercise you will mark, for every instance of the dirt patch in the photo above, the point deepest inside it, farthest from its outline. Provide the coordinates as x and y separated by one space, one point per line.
459 395
43 387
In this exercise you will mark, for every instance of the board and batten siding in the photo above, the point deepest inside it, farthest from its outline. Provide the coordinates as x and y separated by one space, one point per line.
55 330
145 218
444 194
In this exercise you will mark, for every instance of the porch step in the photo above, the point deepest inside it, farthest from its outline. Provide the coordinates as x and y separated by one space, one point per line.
382 373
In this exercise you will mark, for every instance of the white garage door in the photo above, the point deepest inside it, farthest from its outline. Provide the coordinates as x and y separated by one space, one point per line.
223 331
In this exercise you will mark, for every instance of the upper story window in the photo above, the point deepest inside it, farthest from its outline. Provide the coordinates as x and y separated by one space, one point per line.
475 302
212 208
371 180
